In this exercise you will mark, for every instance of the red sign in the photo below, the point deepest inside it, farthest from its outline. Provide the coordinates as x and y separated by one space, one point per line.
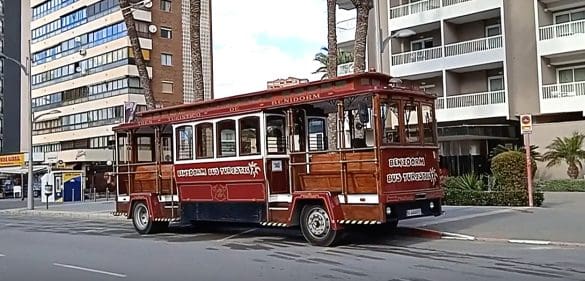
220 171
409 169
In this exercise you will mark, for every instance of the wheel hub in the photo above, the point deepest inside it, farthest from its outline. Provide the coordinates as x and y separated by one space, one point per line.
318 223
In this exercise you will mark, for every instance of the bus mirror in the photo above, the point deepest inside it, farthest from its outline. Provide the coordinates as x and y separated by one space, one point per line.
364 113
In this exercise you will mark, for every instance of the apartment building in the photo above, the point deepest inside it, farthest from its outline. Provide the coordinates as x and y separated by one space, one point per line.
285 82
12 79
488 61
84 72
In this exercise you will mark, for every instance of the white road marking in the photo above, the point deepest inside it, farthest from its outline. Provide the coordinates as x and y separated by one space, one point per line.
238 234
90 270
1 255
532 242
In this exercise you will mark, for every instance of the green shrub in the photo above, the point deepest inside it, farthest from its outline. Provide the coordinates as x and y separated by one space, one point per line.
455 197
465 182
509 168
566 185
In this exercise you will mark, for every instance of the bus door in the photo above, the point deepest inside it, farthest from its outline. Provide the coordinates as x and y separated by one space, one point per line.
277 160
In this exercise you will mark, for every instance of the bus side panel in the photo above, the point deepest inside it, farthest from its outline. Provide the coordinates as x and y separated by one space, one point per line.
223 212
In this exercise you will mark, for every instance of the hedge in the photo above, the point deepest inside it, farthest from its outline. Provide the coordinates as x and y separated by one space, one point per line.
565 185
455 197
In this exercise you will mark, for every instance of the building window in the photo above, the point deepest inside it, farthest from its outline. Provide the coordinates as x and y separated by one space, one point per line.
493 30
167 87
166 59
250 136
204 140
184 137
165 5
317 134
226 138
166 32
570 75
495 83
425 43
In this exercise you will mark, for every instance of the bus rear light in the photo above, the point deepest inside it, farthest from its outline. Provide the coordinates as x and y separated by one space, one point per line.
388 210
432 205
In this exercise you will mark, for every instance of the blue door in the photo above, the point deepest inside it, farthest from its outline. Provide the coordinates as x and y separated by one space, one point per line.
72 189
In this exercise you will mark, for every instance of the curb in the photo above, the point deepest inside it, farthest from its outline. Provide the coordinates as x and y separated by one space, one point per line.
79 215
434 234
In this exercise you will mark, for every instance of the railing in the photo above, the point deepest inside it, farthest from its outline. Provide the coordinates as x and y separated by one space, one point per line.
346 68
476 99
440 103
413 8
562 30
563 90
453 2
421 6
471 46
417 56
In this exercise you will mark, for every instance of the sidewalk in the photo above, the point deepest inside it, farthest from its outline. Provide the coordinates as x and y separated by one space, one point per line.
558 221
84 210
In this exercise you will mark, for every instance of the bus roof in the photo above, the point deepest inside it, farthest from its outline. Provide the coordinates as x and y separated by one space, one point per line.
346 85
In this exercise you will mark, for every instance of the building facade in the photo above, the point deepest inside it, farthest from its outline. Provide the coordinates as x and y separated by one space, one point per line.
488 61
11 25
285 82
84 72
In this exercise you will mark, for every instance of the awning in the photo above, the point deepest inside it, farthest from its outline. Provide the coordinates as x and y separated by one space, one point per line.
22 170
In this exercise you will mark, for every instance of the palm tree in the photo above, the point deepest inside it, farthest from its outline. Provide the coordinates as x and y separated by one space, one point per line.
138 57
196 60
323 57
363 8
567 149
331 39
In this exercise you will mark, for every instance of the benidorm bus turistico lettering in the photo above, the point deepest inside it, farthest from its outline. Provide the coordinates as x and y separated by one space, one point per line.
274 158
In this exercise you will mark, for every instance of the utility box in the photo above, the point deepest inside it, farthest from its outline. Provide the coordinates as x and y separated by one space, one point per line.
67 186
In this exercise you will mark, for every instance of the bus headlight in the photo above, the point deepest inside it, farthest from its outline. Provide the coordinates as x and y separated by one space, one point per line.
432 205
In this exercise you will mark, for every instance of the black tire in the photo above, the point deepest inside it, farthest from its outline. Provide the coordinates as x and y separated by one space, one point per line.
316 226
161 226
141 219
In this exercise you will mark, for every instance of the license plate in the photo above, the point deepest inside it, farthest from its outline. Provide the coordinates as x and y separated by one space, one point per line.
413 212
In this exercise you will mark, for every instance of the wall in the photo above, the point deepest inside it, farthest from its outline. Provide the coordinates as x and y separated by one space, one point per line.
543 135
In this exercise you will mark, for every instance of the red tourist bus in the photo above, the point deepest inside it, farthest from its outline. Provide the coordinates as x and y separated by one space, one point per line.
322 155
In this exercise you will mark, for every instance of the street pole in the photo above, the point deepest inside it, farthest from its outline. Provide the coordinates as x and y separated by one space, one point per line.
30 198
528 169
378 38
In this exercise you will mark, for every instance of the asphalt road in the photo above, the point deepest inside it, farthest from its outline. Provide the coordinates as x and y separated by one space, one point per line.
35 248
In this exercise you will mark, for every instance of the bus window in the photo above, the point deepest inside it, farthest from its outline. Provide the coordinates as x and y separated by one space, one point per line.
144 145
390 122
411 127
317 134
226 138
250 135
204 140
428 124
123 149
298 144
184 140
167 155
275 139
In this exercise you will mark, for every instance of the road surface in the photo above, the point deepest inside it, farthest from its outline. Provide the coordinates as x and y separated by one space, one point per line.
36 248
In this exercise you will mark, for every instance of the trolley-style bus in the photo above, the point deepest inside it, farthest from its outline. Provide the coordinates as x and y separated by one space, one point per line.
354 150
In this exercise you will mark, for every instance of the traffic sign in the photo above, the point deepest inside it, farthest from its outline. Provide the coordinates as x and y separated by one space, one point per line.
526 123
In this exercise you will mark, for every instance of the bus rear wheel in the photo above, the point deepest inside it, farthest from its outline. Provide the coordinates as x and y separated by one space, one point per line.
316 226
141 219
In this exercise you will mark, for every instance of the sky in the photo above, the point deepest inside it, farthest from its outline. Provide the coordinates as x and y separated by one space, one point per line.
256 41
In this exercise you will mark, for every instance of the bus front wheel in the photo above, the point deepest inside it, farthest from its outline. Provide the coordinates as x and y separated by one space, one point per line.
316 226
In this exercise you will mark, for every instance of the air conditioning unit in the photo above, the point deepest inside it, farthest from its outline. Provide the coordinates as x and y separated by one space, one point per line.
148 4
152 28
83 52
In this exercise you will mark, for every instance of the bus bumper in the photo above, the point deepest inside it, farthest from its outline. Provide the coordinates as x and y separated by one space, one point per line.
414 209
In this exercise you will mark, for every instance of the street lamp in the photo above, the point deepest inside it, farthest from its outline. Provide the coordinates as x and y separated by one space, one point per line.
27 71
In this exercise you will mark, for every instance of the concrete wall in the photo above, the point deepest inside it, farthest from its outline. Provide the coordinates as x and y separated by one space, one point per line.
522 68
543 135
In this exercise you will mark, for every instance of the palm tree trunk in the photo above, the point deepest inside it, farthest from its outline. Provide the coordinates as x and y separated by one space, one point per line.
196 59
573 171
331 39
138 57
363 8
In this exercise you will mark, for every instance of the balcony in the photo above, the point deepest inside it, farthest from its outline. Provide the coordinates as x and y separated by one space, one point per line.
472 106
456 55
427 11
565 97
345 69
561 38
